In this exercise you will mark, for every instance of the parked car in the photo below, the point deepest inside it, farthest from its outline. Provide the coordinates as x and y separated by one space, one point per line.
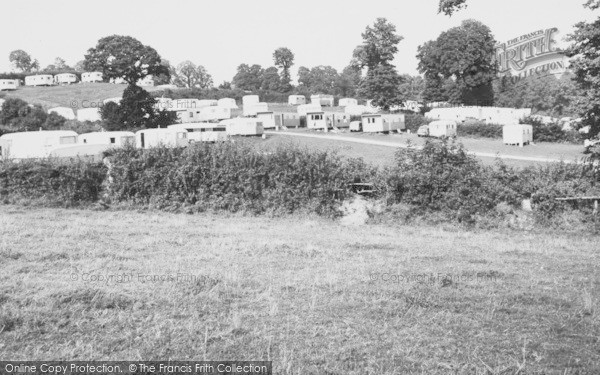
423 131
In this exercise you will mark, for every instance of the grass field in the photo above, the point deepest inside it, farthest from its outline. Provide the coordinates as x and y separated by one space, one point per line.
319 299
72 96
383 155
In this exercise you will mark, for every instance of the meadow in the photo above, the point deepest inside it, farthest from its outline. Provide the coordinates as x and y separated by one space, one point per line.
313 296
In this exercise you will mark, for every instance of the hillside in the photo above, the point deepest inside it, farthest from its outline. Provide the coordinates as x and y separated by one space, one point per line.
72 96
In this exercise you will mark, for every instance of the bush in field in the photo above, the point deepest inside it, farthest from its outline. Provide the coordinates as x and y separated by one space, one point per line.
551 132
54 121
440 177
13 108
19 116
414 120
475 128
51 182
234 177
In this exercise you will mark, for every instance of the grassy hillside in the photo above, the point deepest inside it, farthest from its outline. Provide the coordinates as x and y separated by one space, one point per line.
321 298
69 96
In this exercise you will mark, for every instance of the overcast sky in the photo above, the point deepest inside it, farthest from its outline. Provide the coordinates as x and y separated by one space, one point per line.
223 34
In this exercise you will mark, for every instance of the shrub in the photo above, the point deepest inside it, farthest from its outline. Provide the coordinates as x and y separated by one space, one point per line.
475 128
54 121
414 121
440 177
51 182
234 177
13 108
551 132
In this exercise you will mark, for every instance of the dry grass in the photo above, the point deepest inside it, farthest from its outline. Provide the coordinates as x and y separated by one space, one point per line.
67 96
309 294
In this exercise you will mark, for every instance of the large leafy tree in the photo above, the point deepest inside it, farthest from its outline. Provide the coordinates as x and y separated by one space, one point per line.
380 44
136 110
412 87
284 59
464 54
186 74
164 79
271 80
248 77
348 81
319 79
22 61
585 62
119 56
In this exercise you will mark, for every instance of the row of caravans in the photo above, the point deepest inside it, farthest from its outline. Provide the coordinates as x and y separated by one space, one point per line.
66 79
322 100
66 143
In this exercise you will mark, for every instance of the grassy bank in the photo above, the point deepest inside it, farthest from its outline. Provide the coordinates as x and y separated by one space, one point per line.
321 298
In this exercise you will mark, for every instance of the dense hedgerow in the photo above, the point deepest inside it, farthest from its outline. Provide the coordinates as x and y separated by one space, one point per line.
234 177
474 128
552 132
441 180
51 182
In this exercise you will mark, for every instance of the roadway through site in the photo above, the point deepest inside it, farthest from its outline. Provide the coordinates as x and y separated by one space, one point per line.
404 145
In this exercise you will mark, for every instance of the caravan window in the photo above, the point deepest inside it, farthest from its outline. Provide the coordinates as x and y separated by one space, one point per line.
182 135
112 140
67 140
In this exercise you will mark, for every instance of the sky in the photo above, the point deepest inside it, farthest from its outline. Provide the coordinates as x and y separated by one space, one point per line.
220 35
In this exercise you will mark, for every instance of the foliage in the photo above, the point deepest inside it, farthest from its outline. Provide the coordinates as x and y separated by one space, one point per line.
347 83
283 58
22 61
552 132
412 87
233 177
51 182
464 54
163 78
414 120
440 177
380 44
118 56
543 94
318 80
135 111
585 62
59 65
17 115
270 79
248 77
448 7
382 86
189 75
476 128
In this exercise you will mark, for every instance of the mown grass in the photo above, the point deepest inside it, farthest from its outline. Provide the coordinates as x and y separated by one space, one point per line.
307 293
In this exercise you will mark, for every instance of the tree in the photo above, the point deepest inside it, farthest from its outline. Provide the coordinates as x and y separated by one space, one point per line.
165 79
448 7
412 87
136 110
380 44
79 67
348 81
226 85
204 80
585 53
284 59
382 86
187 74
248 77
464 54
271 80
124 57
22 61
303 77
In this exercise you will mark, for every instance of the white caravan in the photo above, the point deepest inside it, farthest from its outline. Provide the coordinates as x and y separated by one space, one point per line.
114 138
37 144
9 84
517 134
203 131
296 99
379 123
91 77
243 126
65 78
39 80
149 138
